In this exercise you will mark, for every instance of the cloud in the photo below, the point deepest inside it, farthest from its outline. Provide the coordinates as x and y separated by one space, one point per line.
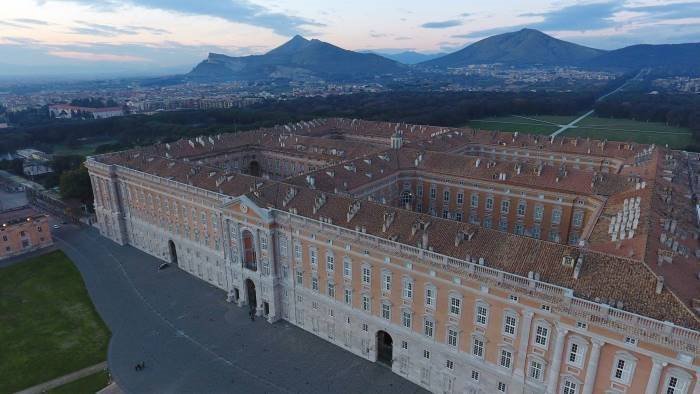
402 38
97 57
147 29
375 34
96 29
11 24
465 14
238 11
30 21
441 24
579 17
669 11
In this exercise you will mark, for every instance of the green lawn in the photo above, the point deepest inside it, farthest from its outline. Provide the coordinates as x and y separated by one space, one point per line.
593 127
48 325
524 124
87 385
632 130
82 149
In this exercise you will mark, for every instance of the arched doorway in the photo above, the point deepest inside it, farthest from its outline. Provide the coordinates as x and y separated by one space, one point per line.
250 292
385 348
407 200
173 252
254 168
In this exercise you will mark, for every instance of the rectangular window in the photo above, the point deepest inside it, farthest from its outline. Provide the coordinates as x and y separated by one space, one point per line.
478 347
446 196
331 290
502 387
458 216
489 203
365 303
347 267
452 337
386 281
430 297
505 206
535 370
386 311
509 325
366 275
426 354
482 315
556 216
506 357
455 305
313 257
428 328
569 387
408 290
475 375
460 198
503 223
487 222
404 345
474 203
406 319
300 278
539 213
297 251
521 208
449 364
314 284
433 192
541 335
578 218
621 371
330 263
574 354
348 296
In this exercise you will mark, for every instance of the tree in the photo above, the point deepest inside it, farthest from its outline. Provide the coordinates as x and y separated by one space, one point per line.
76 184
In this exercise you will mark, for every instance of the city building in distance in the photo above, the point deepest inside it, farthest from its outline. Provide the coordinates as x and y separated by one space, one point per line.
465 260
23 230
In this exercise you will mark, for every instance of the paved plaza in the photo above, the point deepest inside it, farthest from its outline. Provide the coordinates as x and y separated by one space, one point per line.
192 340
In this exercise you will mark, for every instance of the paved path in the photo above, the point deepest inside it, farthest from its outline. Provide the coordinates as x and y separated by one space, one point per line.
571 124
193 341
61 380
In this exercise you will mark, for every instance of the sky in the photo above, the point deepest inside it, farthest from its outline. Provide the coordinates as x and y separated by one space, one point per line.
152 37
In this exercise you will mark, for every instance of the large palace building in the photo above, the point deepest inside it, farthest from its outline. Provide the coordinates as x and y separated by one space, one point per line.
467 261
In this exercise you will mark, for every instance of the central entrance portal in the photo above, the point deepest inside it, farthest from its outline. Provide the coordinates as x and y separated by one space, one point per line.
250 291
385 348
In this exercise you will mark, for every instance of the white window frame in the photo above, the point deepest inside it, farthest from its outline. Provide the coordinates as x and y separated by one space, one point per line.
407 318
407 292
386 281
581 350
481 313
543 365
627 373
565 387
430 296
546 329
347 267
298 254
386 310
683 381
330 262
475 346
366 274
505 353
366 303
510 323
455 306
429 327
452 337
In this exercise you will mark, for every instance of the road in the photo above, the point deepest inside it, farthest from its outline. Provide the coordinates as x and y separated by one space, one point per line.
193 341
573 123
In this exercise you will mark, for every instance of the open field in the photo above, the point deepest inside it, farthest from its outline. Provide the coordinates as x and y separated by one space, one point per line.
593 127
82 149
48 325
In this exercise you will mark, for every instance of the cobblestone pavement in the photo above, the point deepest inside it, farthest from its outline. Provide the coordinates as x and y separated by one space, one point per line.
191 340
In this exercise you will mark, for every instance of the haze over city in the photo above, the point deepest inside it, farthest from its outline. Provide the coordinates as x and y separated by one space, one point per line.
152 36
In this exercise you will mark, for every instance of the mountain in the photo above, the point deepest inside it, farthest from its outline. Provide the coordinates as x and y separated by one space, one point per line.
409 57
680 57
520 48
297 58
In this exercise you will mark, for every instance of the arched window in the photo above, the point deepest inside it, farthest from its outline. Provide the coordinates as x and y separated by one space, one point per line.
248 250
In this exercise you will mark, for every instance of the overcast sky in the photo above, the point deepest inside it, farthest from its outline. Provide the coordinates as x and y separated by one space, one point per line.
77 36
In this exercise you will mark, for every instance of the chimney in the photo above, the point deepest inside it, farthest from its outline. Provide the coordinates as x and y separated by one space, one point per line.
425 239
578 266
388 219
659 284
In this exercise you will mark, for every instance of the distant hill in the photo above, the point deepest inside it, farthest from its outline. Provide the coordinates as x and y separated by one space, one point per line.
520 48
409 57
297 58
680 57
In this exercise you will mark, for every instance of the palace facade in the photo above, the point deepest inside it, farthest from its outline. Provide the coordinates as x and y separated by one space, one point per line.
467 261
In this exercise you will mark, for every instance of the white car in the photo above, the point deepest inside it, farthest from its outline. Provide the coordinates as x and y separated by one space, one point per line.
56 226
